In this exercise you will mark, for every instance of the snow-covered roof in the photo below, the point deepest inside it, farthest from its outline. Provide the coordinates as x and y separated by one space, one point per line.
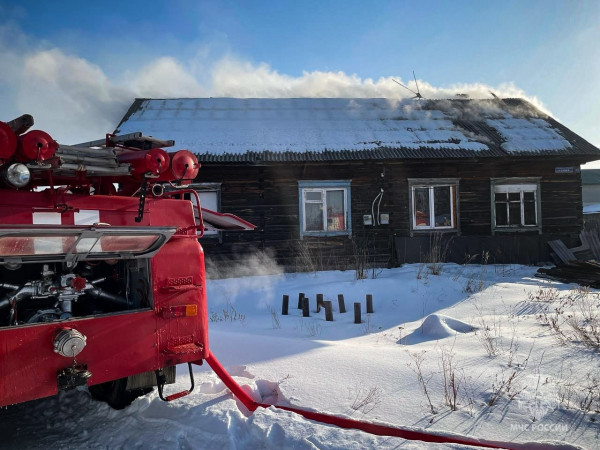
341 128
528 134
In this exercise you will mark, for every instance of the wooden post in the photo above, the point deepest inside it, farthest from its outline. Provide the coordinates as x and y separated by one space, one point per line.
341 303
328 311
357 312
300 297
319 302
305 305
369 304
285 305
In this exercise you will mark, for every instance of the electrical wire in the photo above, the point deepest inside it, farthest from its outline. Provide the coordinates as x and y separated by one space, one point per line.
378 204
377 197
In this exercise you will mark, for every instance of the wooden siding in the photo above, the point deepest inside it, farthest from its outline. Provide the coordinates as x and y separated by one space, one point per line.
267 195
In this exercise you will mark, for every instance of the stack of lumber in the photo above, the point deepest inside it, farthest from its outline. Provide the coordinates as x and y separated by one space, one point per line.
576 265
585 273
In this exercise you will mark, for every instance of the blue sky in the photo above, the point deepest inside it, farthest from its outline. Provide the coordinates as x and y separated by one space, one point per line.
79 64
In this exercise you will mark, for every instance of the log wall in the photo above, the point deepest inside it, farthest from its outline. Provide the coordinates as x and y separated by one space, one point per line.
267 195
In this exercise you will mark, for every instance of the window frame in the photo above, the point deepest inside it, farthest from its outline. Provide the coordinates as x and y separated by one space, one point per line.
517 185
431 183
210 187
323 186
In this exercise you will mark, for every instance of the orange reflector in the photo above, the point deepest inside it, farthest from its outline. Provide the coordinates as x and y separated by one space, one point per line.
180 311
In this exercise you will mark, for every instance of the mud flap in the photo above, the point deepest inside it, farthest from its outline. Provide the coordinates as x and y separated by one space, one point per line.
148 379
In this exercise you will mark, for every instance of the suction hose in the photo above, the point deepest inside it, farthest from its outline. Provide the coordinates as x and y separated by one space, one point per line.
372 428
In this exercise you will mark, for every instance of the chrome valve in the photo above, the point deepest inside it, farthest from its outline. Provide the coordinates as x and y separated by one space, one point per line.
69 342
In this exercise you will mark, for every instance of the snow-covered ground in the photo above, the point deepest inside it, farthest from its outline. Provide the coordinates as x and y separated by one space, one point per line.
478 325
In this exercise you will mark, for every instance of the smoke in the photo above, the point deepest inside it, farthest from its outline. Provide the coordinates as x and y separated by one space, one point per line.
75 100
250 278
236 78
257 263
69 96
165 78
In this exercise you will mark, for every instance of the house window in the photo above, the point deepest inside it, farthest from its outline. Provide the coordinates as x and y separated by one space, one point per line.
324 208
433 204
209 194
515 205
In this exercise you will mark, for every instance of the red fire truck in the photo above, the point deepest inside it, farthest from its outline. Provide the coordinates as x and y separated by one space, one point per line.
102 277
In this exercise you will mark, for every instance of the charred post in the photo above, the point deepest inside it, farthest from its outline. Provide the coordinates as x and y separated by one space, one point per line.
328 311
320 302
285 305
357 314
305 307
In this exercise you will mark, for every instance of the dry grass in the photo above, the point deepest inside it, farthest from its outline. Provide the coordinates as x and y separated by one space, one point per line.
574 318
367 399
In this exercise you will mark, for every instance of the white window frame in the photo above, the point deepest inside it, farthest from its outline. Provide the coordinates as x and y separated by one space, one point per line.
512 185
201 188
323 186
430 184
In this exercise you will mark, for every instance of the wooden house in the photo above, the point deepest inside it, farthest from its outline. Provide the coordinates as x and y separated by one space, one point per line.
340 182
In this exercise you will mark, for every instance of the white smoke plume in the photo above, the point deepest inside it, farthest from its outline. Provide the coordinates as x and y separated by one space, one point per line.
165 78
69 96
257 273
235 78
74 100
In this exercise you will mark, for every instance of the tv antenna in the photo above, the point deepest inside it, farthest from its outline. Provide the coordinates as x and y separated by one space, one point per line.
418 93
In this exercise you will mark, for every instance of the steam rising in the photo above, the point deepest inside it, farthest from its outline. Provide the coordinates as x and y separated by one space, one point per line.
75 100
249 275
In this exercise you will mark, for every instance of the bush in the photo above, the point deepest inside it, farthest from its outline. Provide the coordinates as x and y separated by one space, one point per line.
575 318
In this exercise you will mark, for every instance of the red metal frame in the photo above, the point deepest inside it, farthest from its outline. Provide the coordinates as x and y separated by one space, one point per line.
121 344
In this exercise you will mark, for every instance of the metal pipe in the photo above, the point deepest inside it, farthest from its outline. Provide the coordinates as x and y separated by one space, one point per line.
107 157
100 152
101 294
99 160
157 190
104 162
6 301
121 170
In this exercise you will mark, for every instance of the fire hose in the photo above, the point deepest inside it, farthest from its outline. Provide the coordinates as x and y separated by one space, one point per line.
368 427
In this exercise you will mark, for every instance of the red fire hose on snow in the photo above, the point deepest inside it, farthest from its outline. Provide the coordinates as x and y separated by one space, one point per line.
372 428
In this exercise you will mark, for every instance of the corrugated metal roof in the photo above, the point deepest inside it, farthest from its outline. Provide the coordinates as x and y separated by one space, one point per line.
346 155
316 129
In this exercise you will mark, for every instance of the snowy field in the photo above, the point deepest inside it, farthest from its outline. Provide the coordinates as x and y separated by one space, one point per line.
473 350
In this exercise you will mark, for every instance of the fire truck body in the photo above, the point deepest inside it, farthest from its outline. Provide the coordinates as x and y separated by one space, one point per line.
103 290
